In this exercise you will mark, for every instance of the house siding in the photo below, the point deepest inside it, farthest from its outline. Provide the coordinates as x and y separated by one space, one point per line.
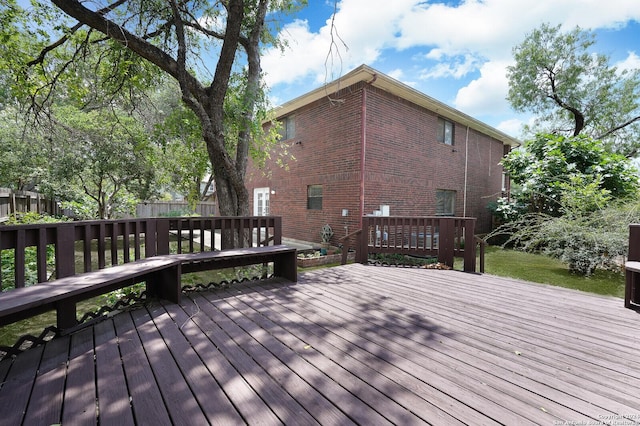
327 151
404 164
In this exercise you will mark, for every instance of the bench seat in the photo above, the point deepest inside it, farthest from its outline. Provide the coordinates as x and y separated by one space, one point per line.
283 257
161 274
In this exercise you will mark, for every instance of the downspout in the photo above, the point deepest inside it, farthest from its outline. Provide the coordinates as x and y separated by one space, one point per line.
363 149
363 140
466 169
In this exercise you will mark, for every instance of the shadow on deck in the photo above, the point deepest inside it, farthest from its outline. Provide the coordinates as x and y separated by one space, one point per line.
351 344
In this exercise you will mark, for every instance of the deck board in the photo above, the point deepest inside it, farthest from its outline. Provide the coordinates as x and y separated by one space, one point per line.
347 345
80 394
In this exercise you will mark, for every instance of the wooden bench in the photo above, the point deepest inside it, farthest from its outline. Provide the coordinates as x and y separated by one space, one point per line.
283 258
632 285
161 274
632 270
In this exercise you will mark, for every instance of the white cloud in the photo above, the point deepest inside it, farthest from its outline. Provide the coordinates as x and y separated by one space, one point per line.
396 73
448 41
632 62
512 127
456 67
486 94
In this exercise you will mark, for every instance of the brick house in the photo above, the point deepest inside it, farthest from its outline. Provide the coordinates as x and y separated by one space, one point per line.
369 144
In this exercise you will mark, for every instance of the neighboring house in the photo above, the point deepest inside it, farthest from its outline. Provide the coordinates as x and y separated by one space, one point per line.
368 144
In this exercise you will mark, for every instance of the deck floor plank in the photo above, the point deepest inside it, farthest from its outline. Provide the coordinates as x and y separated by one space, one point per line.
80 389
114 406
576 354
311 404
370 337
346 345
45 404
17 387
146 400
415 395
445 348
400 337
215 405
178 396
305 361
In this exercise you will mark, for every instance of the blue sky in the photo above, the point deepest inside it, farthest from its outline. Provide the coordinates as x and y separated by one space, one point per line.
454 51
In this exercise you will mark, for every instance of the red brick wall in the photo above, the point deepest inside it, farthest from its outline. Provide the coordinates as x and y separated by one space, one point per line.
405 165
327 152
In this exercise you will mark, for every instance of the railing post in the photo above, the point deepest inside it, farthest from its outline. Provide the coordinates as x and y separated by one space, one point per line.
634 242
150 238
277 230
362 250
469 245
65 250
446 246
162 236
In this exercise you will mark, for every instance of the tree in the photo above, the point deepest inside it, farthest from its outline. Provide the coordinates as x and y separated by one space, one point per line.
184 159
102 158
574 91
175 37
550 165
24 158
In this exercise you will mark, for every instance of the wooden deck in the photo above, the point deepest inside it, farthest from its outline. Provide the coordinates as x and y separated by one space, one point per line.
353 344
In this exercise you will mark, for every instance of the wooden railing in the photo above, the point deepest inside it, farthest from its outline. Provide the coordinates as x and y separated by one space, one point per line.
97 244
442 237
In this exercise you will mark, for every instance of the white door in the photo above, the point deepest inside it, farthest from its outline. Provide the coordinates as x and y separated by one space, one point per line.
261 202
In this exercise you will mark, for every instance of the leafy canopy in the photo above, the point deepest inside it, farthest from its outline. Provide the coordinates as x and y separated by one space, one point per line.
550 165
575 91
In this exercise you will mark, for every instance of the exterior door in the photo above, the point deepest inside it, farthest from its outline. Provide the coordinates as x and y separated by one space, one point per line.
261 202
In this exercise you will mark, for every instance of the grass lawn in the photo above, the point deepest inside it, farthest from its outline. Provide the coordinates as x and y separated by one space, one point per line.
546 270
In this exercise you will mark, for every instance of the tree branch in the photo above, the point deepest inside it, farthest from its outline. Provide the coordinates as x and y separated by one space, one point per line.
97 21
615 129
71 31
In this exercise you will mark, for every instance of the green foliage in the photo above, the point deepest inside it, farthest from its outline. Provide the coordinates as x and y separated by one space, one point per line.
31 217
506 210
183 161
104 159
551 165
573 90
65 57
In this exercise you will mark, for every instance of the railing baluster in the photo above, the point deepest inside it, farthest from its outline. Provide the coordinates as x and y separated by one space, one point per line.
102 245
19 255
42 254
86 246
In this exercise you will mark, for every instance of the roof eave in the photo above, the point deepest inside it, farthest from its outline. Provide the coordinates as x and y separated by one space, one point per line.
393 86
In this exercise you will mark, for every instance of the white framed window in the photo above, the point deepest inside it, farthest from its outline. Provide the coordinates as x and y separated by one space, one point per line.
261 202
288 129
445 131
314 197
445 202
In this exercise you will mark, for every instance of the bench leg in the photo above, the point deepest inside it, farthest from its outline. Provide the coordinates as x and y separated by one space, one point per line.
166 284
66 314
286 266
